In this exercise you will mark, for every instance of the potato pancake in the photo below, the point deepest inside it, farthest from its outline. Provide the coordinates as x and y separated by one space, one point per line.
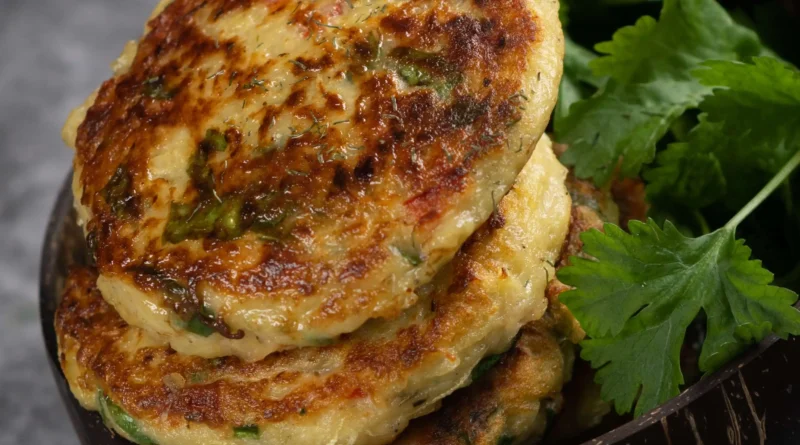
262 175
515 400
519 395
364 388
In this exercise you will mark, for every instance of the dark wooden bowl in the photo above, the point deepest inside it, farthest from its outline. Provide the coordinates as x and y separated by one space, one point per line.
750 401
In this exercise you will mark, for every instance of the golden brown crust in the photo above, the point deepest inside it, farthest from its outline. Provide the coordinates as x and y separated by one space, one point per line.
236 398
415 161
591 209
124 118
511 403
366 386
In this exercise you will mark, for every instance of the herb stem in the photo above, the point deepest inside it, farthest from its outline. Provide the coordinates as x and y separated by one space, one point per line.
773 184
701 221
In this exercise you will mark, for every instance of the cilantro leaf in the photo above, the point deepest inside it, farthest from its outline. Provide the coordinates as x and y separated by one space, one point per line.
750 128
649 64
641 291
689 173
578 81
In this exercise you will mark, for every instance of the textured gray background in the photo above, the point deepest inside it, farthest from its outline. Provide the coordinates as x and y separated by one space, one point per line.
53 53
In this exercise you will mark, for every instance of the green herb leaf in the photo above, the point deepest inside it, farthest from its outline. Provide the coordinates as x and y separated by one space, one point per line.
650 85
642 290
112 414
750 128
578 81
246 432
689 173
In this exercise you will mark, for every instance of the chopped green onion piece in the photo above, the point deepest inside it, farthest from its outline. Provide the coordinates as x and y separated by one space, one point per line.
413 257
216 140
198 377
229 224
196 326
200 172
187 223
113 415
118 193
246 432
485 366
413 75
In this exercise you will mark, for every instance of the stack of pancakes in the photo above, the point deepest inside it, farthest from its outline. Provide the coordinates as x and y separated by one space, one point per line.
315 222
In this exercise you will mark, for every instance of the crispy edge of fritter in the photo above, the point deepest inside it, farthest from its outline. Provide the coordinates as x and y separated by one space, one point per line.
515 401
83 310
334 317
512 402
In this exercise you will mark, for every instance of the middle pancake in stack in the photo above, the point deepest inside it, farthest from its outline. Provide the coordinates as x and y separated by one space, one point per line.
363 389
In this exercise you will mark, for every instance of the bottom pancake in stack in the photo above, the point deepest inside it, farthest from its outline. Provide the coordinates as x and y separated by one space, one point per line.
368 386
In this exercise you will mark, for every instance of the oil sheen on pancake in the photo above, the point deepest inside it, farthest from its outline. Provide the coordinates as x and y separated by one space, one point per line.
364 388
262 175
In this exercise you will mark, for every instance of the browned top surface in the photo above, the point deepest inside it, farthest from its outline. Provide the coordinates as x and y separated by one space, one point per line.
418 147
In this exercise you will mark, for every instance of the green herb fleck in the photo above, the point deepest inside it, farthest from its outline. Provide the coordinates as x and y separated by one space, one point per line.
327 25
414 76
412 256
196 326
215 140
154 88
254 83
198 377
299 64
485 365
118 193
246 432
113 415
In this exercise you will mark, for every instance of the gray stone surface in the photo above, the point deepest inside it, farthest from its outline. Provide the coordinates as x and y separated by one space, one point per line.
53 53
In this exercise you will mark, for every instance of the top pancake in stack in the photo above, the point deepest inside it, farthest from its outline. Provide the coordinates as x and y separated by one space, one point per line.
265 175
